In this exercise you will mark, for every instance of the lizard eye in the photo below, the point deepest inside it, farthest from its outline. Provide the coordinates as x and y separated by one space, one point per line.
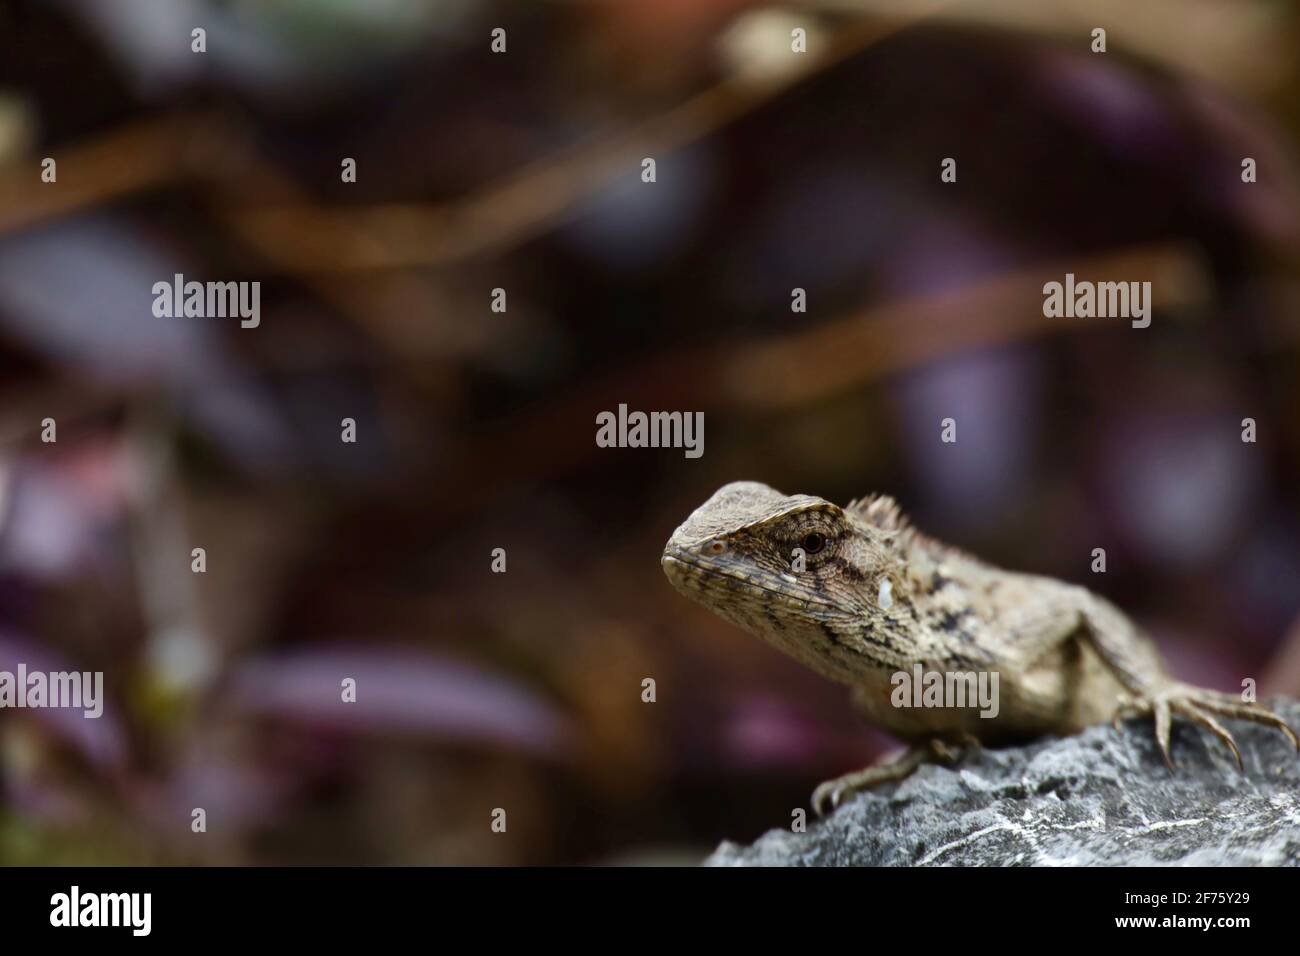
813 543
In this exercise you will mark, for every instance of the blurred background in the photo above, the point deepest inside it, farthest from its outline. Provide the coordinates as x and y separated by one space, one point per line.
475 429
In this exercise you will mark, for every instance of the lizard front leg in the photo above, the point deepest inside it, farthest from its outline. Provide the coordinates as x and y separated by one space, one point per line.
1199 705
1073 613
1133 661
832 793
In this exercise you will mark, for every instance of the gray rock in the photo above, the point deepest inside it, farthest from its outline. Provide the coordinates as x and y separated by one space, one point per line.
1101 798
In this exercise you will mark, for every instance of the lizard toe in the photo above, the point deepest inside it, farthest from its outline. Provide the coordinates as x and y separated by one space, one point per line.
1163 721
1225 705
825 798
1202 718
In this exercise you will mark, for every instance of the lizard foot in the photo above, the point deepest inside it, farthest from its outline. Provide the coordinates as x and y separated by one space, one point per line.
832 793
1200 706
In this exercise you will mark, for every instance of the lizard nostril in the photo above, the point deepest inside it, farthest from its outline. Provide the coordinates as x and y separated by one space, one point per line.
715 547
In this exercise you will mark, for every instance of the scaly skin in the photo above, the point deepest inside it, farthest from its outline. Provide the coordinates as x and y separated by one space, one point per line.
875 597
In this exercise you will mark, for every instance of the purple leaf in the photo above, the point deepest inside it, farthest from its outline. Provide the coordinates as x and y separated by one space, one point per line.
399 691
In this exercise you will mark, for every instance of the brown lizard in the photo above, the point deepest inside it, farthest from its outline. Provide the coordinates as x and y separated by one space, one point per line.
861 597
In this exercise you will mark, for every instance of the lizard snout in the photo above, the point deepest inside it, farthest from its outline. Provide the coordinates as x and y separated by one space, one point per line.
684 561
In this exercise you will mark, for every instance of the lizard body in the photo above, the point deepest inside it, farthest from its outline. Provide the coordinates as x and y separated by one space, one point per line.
858 595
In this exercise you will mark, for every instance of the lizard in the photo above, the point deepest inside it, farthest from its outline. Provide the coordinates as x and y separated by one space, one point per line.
859 595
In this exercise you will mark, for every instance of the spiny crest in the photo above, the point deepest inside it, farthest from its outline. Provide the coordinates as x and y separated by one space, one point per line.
881 511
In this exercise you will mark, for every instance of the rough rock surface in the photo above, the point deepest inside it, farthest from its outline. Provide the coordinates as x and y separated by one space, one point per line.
1101 798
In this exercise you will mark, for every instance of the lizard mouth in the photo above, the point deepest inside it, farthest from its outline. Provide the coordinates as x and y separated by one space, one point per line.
684 570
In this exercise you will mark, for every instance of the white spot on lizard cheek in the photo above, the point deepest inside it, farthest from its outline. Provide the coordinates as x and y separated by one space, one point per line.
886 596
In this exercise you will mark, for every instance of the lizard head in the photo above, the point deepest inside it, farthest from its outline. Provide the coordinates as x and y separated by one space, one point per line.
798 571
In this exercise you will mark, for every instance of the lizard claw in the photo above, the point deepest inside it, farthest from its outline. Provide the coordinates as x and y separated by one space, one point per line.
829 795
1200 706
826 797
1126 706
1163 721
